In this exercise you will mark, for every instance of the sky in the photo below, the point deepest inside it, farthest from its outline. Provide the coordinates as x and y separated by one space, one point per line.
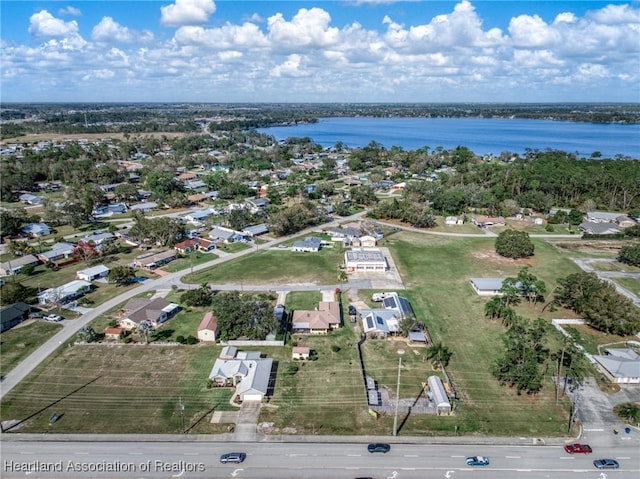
319 51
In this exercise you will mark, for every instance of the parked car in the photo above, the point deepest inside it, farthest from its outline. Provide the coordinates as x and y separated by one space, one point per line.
233 457
53 317
379 447
606 464
578 448
352 310
477 461
380 296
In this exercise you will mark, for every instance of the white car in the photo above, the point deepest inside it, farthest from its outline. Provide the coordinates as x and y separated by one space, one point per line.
380 296
53 317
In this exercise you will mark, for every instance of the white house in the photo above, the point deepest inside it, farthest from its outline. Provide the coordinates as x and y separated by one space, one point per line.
438 395
622 366
453 221
247 371
91 274
487 286
307 245
65 293
365 259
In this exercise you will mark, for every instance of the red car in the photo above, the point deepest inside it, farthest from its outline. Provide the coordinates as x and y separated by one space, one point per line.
578 448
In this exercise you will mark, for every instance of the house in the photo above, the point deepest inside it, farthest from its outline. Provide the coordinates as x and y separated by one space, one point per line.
438 395
367 241
108 210
58 251
348 235
13 315
365 259
257 204
386 321
622 366
156 311
208 328
98 238
247 371
187 177
487 286
453 221
601 228
155 260
320 321
145 206
603 217
65 293
482 221
113 333
308 245
91 274
195 185
227 235
30 199
417 337
11 267
300 353
256 230
197 216
36 230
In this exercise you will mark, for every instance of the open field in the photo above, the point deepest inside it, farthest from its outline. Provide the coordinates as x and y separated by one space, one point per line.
192 259
21 340
303 300
632 284
119 389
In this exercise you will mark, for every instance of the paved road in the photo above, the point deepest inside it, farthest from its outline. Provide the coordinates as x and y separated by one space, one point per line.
293 460
609 276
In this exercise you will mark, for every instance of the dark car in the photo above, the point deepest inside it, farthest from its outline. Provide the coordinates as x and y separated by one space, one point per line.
606 464
578 448
352 310
233 457
379 447
477 461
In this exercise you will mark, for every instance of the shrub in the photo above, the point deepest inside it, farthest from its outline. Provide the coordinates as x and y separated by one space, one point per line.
191 339
180 339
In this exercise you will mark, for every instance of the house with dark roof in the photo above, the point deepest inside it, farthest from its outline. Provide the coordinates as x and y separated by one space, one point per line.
13 314
600 228
156 311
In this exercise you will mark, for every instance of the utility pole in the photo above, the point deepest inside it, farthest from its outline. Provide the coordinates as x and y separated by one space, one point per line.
181 413
395 418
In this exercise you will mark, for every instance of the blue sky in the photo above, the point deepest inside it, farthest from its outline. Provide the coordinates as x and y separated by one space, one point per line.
320 51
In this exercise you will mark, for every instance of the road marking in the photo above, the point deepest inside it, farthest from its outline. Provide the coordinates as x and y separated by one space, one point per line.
524 470
457 456
297 455
82 453
191 454
512 457
593 430
135 454
623 457
411 455
349 455
565 458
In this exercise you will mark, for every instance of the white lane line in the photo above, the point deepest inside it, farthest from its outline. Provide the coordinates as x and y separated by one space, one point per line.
191 454
457 456
565 458
135 453
512 457
623 457
411 455
354 455
81 453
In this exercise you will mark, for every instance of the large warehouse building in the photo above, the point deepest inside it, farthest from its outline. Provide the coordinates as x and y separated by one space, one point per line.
365 259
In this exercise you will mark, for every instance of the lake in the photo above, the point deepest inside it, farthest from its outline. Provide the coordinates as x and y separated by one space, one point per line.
481 135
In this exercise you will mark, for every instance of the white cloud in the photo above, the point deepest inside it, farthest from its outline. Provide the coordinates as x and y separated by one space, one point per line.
187 12
231 36
532 32
307 29
291 67
615 14
43 24
109 30
72 11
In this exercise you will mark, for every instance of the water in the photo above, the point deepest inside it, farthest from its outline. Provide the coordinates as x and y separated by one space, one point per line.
480 135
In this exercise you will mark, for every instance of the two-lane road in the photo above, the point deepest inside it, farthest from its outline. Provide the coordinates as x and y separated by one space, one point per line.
199 459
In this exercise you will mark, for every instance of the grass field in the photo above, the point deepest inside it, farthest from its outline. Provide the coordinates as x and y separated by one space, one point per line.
192 259
20 341
303 300
632 284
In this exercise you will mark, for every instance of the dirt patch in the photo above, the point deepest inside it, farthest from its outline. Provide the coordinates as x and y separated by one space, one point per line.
590 246
493 256
34 138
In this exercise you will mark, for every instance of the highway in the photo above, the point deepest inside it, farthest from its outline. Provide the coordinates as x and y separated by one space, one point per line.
200 459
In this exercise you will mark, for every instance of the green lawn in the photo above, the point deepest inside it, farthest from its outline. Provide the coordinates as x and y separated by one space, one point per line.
20 341
192 259
305 300
632 284
275 266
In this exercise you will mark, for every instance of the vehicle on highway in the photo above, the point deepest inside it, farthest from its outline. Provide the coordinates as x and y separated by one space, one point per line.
606 464
233 457
578 448
477 461
53 317
379 447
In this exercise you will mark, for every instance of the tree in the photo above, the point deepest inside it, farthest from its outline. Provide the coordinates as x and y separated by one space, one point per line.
202 296
514 244
144 330
630 254
13 292
530 286
121 274
511 291
629 411
243 316
87 334
439 354
85 251
407 324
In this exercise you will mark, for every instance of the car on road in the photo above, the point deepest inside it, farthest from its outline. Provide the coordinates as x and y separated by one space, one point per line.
53 317
477 461
379 447
606 464
578 448
233 457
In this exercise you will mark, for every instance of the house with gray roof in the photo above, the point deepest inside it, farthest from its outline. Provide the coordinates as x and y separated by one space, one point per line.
311 244
93 273
156 311
11 267
58 251
365 259
37 229
247 371
599 228
256 230
487 286
438 395
13 315
386 321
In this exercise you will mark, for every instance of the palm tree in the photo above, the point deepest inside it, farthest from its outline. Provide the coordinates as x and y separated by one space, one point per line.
87 334
144 329
342 276
439 354
629 411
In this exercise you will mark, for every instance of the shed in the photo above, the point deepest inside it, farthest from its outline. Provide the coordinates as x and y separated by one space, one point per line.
371 383
208 328
373 397
300 352
438 395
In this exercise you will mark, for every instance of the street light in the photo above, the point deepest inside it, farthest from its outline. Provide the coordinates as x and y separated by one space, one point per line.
395 418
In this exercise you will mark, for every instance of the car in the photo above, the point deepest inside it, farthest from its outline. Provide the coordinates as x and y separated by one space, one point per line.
379 447
233 457
477 461
352 310
578 448
53 317
606 464
377 297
